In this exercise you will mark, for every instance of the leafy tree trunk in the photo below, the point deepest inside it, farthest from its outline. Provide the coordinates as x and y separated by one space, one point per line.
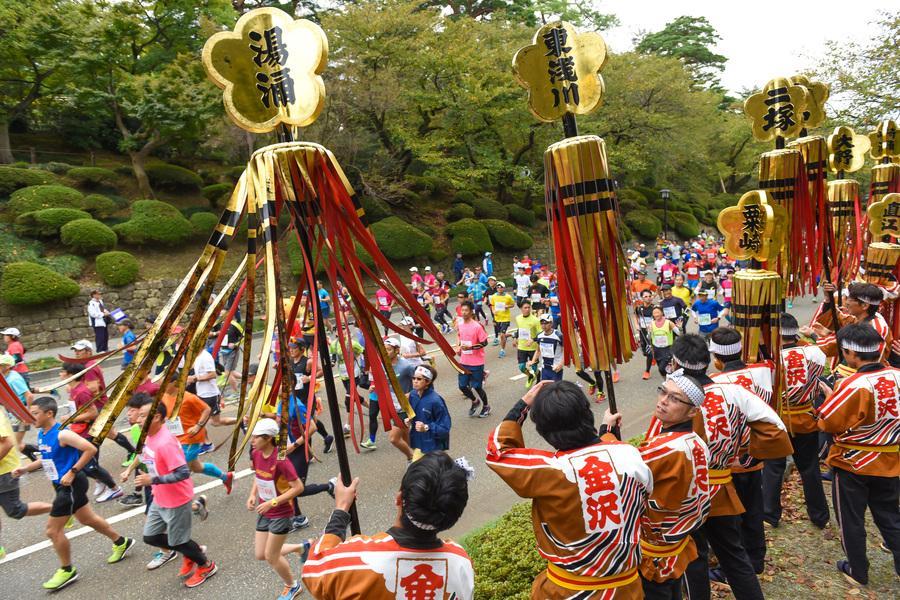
138 159
6 156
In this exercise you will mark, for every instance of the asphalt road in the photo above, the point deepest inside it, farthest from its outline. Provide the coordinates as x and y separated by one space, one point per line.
229 531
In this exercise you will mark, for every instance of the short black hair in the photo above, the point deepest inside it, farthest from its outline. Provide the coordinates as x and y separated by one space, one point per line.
140 399
861 334
789 321
534 278
562 416
434 491
46 403
690 348
862 291
470 304
725 336
70 368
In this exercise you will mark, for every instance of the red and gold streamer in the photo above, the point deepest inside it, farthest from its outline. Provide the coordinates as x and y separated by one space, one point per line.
757 304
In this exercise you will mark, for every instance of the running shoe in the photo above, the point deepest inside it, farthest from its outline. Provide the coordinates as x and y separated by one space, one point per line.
228 482
110 495
2 552
161 558
99 488
502 353
496 342
331 484
201 575
299 522
529 379
844 567
646 375
601 397
188 566
346 430
615 377
206 448
291 592
129 459
200 507
120 550
485 411
304 550
329 443
717 577
473 410
132 499
368 445
60 579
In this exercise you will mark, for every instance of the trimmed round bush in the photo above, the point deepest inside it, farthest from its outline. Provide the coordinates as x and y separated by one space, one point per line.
21 164
204 222
16 249
460 211
172 177
99 205
295 257
376 209
644 224
39 197
632 194
464 197
540 211
399 240
64 264
520 215
47 222
628 205
117 268
125 170
469 237
59 168
154 222
684 224
91 176
87 236
507 236
29 284
217 193
438 255
489 209
625 232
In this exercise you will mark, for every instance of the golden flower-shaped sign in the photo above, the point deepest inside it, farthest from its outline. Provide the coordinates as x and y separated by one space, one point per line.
846 150
884 140
777 110
884 216
561 71
269 67
814 115
755 228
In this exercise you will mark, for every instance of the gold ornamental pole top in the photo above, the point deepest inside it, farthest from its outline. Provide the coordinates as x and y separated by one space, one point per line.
883 138
270 68
846 150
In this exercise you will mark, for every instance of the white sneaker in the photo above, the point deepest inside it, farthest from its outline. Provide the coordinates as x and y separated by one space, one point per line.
161 558
110 495
99 488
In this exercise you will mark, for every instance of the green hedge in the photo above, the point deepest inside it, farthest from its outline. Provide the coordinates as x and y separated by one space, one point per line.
295 257
173 177
464 197
154 222
99 205
684 224
504 556
507 236
91 176
460 211
540 211
376 209
27 284
430 185
625 232
204 222
628 205
60 168
520 215
438 255
399 240
644 224
633 195
39 197
117 268
12 179
486 208
68 265
217 193
47 222
16 249
469 237
87 236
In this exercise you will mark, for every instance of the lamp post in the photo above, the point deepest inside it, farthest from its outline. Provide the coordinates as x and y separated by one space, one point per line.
665 198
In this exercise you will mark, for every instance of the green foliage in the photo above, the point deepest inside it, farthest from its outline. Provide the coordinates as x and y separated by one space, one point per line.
460 211
99 205
39 197
644 224
234 173
21 164
68 265
632 194
12 179
540 211
376 209
486 208
87 236
295 257
507 236
173 177
91 176
204 222
16 249
59 168
29 284
520 215
123 170
469 237
625 232
684 224
399 240
430 185
504 556
438 255
154 222
47 222
217 193
628 205
117 268
464 197
690 40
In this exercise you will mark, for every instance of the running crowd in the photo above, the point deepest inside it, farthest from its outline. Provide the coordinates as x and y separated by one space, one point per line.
610 519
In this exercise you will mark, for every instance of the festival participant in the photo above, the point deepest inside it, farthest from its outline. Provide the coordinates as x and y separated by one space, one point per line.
589 494
680 500
275 485
692 268
470 349
643 310
125 330
487 264
430 428
523 282
302 368
337 359
408 560
730 415
458 265
709 284
861 412
501 303
803 365
662 333
64 456
550 351
204 377
477 290
229 357
539 294
528 326
640 284
168 524
727 285
706 312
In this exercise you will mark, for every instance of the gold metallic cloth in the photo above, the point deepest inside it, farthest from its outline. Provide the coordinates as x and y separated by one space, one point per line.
881 260
885 180
756 306
844 212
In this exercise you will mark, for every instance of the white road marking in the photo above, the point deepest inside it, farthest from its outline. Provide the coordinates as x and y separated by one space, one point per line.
517 377
134 512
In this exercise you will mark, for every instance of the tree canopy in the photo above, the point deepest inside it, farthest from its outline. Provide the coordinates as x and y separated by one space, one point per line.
690 40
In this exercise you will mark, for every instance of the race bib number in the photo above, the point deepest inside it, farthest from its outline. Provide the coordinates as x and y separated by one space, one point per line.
660 341
50 469
524 334
692 270
466 346
645 322
174 426
705 319
383 301
501 306
727 293
535 297
342 369
667 275
669 311
265 488
548 351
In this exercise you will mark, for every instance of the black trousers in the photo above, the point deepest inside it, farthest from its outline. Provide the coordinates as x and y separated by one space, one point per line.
723 534
101 338
667 590
753 536
806 458
851 494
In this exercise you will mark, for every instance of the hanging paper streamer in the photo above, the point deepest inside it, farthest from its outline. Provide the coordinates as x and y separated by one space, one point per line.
757 305
843 208
581 210
782 175
814 152
881 260
885 180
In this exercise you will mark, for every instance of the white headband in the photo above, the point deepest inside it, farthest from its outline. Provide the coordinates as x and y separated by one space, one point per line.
858 348
424 372
726 350
691 390
790 331
691 366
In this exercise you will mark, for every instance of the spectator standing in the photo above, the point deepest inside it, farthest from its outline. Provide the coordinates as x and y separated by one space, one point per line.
458 266
15 349
97 320
487 264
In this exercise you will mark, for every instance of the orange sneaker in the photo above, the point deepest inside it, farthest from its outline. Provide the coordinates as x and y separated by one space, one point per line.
615 377
187 567
601 397
201 575
646 375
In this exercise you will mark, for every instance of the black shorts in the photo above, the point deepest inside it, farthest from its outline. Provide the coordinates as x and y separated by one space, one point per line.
502 327
523 356
277 526
10 501
213 403
70 499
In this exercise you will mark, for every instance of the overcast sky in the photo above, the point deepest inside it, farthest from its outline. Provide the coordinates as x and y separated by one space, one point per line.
749 30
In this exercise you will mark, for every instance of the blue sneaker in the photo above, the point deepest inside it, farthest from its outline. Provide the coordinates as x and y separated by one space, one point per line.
289 593
206 448
502 353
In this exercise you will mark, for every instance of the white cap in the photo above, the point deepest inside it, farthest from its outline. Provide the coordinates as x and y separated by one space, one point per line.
414 269
546 318
427 268
6 360
11 331
83 345
407 321
487 253
500 284
265 427
392 342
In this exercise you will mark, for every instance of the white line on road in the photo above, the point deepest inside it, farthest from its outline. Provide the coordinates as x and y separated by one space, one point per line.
134 512
517 377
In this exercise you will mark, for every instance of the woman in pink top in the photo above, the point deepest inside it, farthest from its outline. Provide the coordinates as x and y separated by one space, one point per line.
470 349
